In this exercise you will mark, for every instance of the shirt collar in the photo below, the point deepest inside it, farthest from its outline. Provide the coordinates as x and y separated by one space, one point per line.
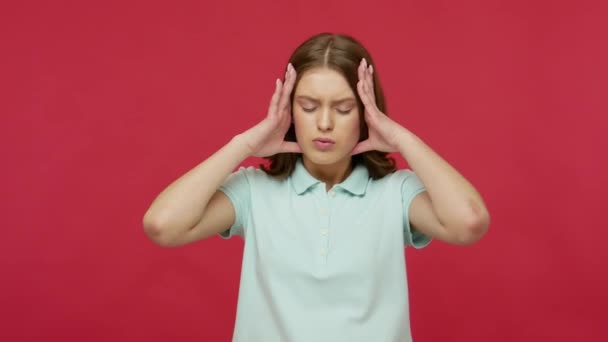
355 183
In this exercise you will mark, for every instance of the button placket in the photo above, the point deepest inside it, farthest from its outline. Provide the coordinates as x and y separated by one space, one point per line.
324 229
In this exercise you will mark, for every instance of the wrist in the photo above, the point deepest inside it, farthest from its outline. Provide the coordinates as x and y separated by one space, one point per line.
405 139
240 145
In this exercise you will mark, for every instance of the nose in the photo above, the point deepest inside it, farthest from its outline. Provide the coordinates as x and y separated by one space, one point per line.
325 121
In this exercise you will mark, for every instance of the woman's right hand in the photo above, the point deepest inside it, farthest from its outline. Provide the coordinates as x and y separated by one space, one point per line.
267 138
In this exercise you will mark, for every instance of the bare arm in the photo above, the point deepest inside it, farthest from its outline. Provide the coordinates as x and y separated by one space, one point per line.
175 213
451 209
191 208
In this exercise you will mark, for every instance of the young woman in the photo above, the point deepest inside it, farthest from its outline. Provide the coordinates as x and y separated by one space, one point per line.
326 222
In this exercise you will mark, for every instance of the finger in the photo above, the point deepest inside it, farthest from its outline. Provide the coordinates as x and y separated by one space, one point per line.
274 100
284 99
371 110
292 75
361 147
364 77
370 81
361 71
365 97
289 84
284 122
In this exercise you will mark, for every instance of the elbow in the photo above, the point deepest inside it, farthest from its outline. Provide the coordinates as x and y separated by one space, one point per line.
474 227
157 230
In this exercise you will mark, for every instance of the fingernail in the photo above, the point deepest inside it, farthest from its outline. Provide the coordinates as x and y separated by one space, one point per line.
371 69
364 62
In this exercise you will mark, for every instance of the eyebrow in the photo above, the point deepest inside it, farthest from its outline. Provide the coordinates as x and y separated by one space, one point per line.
311 99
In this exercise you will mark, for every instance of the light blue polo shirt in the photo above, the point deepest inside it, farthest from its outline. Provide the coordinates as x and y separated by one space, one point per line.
323 265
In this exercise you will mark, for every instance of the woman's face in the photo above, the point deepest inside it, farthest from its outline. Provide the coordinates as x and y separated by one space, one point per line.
325 116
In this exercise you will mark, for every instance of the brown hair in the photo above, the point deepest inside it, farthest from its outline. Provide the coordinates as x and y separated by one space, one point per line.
343 54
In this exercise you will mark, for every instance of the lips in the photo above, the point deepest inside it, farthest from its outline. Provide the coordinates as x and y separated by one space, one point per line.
325 140
323 144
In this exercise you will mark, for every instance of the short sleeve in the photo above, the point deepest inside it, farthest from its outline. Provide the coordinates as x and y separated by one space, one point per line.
237 189
411 187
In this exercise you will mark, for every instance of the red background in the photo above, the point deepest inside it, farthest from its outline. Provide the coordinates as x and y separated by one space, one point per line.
103 104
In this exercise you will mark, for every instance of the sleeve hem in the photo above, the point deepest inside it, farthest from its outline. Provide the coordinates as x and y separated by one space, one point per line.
231 231
414 239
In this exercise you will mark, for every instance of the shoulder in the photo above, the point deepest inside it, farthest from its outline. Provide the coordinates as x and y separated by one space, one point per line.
250 172
254 175
403 174
403 182
397 177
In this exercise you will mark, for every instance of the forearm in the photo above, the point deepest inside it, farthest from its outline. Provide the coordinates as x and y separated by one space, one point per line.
456 203
181 205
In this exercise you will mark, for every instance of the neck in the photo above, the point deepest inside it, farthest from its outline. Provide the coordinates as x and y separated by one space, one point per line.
330 174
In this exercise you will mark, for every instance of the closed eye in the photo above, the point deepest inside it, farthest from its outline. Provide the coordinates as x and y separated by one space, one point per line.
345 111
309 110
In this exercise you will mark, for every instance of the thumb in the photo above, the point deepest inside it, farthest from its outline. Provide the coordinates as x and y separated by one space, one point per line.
290 147
361 147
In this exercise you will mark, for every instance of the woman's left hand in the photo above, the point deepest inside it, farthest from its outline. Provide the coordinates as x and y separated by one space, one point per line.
383 131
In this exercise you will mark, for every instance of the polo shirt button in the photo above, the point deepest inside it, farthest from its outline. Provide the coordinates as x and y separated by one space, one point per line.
332 193
323 252
323 231
323 211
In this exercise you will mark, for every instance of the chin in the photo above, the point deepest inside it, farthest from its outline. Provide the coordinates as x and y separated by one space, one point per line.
325 158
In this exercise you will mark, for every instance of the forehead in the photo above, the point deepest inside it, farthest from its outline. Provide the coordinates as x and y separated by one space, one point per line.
323 83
